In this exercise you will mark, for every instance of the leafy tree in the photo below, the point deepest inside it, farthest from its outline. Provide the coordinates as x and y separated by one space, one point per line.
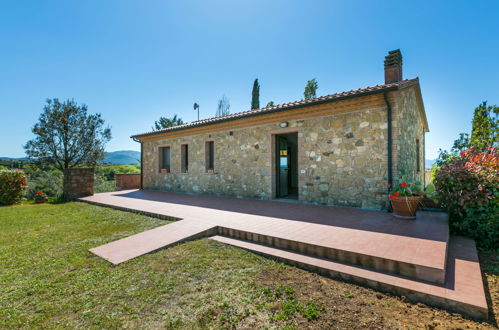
270 104
67 136
485 127
255 95
460 145
165 122
310 89
223 107
484 133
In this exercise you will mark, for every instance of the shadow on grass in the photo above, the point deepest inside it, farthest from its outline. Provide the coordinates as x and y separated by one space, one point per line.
489 261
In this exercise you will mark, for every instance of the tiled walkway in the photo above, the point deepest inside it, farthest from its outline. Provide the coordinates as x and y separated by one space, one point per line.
375 241
420 242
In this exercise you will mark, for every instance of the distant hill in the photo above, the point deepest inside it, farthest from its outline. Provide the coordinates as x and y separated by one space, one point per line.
22 159
122 157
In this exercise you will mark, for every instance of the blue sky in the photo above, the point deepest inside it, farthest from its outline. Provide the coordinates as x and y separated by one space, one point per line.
134 61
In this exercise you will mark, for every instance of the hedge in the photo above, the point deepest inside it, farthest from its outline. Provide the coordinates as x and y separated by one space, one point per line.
467 187
12 186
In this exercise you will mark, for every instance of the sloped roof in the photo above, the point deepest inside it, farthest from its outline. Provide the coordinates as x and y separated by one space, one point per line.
288 106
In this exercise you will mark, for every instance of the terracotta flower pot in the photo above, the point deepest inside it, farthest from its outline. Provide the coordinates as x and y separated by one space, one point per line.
405 207
41 199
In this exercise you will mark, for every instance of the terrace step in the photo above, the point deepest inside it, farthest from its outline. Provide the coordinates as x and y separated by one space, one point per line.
368 256
462 291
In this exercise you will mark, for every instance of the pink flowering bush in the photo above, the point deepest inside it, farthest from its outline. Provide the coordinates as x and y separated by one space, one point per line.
12 185
467 187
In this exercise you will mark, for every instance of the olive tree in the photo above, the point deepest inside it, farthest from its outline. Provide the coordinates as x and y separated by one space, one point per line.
67 136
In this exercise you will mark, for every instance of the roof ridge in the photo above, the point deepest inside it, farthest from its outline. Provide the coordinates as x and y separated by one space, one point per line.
328 97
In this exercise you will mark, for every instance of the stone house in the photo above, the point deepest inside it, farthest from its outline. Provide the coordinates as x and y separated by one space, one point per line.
339 149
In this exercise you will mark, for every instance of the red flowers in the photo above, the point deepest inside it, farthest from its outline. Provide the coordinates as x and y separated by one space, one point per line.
392 197
397 193
403 184
39 192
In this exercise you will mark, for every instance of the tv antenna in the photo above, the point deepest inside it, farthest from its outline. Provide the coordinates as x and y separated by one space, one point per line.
196 107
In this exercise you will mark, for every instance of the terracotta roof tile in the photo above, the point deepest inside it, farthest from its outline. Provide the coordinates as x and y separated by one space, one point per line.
284 106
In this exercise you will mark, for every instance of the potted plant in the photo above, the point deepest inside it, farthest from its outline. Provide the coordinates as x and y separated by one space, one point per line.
430 200
41 197
405 198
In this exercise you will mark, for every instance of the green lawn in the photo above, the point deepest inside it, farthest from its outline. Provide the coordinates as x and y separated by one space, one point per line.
48 279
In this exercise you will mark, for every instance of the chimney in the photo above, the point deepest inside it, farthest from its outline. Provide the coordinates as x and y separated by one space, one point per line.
393 66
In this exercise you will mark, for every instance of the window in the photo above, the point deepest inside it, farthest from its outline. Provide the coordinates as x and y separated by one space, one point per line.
210 155
418 161
184 154
164 159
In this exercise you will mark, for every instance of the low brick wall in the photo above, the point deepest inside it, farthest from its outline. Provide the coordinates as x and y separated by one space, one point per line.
78 182
128 181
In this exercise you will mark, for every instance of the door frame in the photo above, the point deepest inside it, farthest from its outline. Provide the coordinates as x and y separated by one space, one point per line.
273 156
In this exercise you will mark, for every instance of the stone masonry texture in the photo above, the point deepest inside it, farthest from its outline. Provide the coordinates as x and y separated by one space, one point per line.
409 130
78 182
342 158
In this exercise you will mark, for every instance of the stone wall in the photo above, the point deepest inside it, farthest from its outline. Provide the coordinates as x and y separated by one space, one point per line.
341 160
78 182
128 181
409 129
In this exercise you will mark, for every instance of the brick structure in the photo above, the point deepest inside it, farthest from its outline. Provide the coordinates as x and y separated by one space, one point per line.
78 182
127 181
393 66
337 147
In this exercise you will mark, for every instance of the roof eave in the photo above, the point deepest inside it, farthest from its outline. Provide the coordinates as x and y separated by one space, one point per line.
250 114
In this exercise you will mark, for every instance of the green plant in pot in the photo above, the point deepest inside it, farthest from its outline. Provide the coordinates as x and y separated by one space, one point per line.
430 199
41 197
405 198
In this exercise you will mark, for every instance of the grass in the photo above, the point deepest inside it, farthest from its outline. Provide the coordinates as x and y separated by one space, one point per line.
48 279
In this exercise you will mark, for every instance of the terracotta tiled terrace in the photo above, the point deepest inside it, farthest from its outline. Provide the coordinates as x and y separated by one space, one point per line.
415 258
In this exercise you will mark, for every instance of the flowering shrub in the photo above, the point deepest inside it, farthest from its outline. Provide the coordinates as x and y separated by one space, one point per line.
467 188
12 185
405 189
41 197
48 181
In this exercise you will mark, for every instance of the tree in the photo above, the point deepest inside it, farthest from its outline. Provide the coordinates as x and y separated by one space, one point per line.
484 126
270 104
310 89
67 136
223 107
484 133
459 145
165 122
255 95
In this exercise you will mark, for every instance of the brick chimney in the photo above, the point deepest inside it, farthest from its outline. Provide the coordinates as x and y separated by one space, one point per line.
393 66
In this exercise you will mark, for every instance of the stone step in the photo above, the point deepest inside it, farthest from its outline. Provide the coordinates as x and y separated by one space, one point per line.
462 291
368 258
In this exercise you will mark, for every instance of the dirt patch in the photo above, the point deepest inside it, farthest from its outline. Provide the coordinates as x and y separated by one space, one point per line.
349 306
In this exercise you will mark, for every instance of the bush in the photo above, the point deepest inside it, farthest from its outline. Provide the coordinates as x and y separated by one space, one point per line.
102 185
12 185
467 188
48 181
